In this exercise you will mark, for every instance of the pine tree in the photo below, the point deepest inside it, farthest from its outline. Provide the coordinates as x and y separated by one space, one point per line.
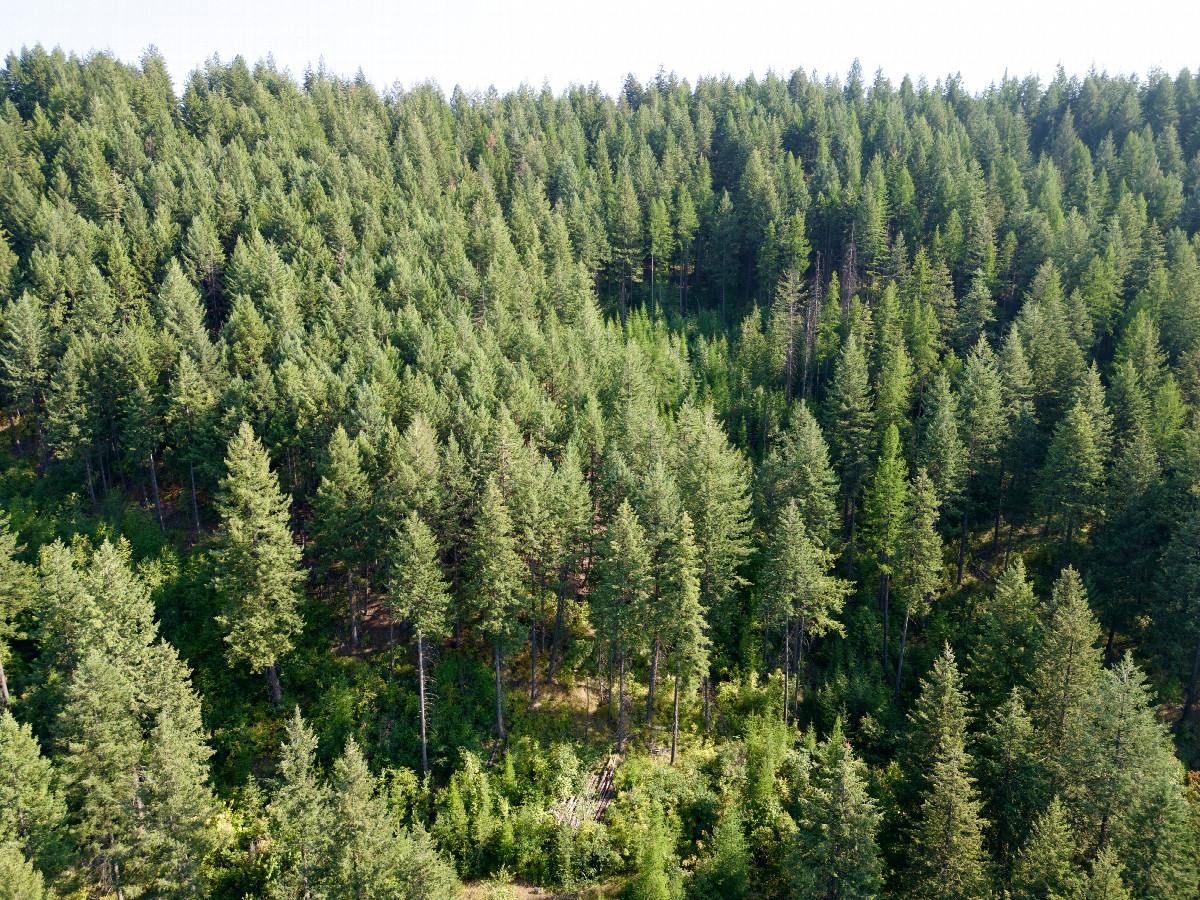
938 720
724 872
419 595
625 235
941 450
498 580
257 562
981 405
658 876
175 836
883 522
798 468
835 851
16 595
301 819
686 635
921 558
1104 882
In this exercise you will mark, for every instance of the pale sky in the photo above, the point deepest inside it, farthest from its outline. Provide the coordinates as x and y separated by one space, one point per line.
507 42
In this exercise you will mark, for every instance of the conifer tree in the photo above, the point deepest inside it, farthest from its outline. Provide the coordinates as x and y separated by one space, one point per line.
16 595
798 584
342 509
419 594
921 558
948 856
725 872
981 405
1009 632
1011 777
883 522
798 468
301 818
497 585
835 850
257 562
19 880
849 425
1045 866
686 635
941 450
1067 665
622 583
31 809
23 361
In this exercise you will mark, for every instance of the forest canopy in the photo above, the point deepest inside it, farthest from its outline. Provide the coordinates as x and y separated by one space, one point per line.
783 488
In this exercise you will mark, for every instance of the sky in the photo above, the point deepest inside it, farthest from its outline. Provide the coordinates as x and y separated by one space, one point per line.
509 42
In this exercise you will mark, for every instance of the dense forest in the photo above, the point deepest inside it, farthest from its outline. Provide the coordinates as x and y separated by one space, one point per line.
786 488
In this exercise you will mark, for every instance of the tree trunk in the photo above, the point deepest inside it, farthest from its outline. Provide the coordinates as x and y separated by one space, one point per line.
391 643
421 687
653 679
675 715
87 458
885 584
273 679
787 665
621 708
353 612
850 547
999 506
799 669
195 502
558 622
1187 706
533 649
157 499
609 672
903 640
499 701
4 697
962 540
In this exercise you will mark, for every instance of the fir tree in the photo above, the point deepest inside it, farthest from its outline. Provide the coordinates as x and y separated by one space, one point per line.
921 558
883 522
1045 867
31 809
301 819
835 850
257 562
419 594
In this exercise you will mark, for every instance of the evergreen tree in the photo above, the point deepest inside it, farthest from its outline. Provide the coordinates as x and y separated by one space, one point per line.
849 425
16 594
835 850
419 594
498 580
725 872
1067 665
1009 633
301 819
257 562
23 361
342 509
31 809
921 558
1011 777
883 522
19 880
1045 866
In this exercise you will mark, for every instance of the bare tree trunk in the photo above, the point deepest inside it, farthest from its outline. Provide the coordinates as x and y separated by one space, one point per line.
195 502
675 715
787 664
353 611
653 679
4 697
962 540
533 650
621 708
799 669
1187 706
421 686
903 640
273 680
391 643
885 599
706 719
499 701
87 458
157 500
555 643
